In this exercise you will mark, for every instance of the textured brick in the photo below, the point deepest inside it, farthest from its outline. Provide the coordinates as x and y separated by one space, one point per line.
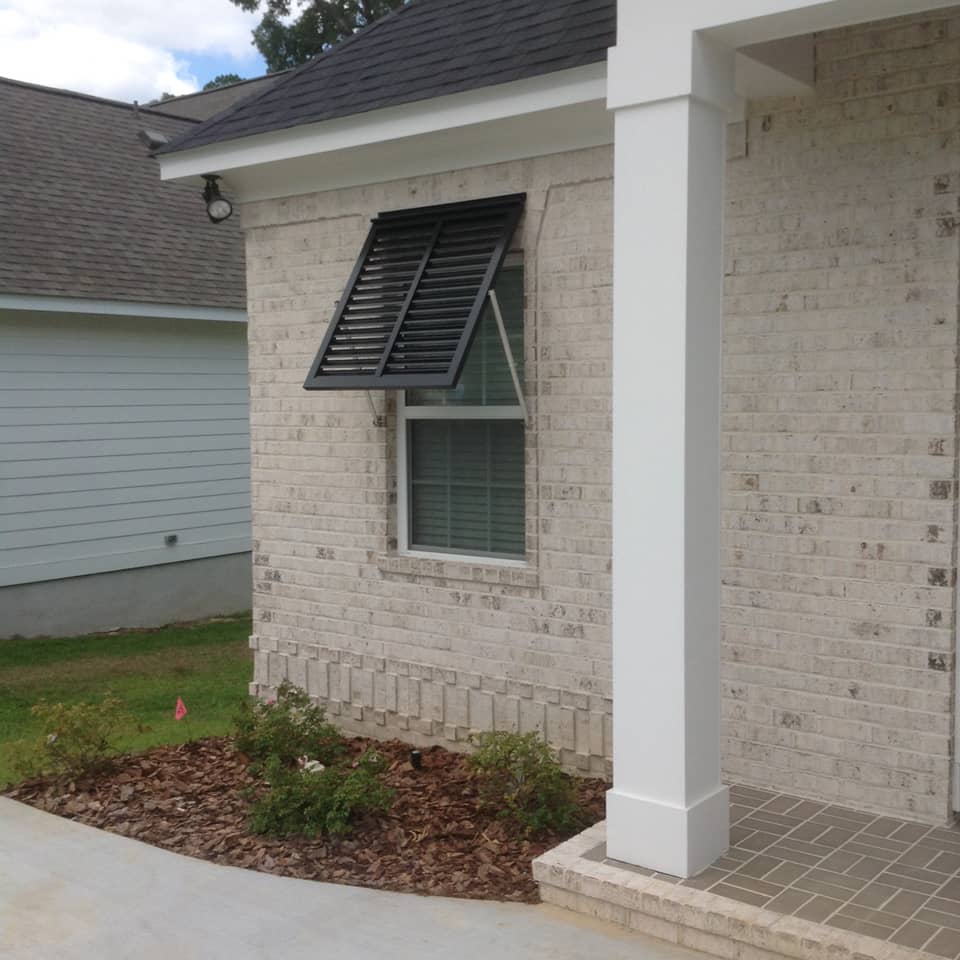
838 434
436 648
839 451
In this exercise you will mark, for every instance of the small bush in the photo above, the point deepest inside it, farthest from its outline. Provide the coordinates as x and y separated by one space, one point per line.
311 802
290 727
76 740
519 777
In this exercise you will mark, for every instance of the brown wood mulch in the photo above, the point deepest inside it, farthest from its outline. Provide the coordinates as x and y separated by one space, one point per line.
434 840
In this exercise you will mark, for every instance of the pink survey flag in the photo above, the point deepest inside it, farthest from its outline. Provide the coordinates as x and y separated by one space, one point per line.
181 710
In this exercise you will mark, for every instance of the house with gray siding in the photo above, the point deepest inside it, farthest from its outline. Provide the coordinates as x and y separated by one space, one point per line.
681 495
124 438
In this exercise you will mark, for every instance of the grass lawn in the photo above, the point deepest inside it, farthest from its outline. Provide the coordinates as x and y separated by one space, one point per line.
208 664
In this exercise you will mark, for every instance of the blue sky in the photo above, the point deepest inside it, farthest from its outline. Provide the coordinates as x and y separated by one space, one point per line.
207 66
126 49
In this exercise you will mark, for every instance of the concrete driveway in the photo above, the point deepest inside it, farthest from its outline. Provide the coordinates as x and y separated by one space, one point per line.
70 891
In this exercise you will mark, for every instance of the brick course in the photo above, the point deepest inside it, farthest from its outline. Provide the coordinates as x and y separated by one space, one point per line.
839 442
407 646
839 452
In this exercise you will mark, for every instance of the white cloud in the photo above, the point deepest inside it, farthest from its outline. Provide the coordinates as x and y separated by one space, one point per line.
125 49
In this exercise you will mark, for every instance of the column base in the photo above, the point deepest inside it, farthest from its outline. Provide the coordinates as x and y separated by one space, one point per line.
680 841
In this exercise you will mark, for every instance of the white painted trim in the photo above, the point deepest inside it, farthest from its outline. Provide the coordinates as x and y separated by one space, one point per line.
534 95
667 810
755 79
577 127
405 413
465 558
425 412
508 354
741 22
119 308
677 840
662 58
403 468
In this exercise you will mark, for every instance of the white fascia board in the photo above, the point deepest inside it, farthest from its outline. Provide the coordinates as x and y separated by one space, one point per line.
119 308
562 129
503 101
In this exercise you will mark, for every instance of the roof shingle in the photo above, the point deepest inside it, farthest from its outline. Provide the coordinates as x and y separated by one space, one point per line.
83 212
426 49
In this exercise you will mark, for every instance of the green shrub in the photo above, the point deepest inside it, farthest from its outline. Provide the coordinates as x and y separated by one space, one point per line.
76 740
290 727
519 778
322 801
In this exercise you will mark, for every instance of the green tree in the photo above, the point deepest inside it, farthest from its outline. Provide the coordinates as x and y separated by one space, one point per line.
222 80
286 42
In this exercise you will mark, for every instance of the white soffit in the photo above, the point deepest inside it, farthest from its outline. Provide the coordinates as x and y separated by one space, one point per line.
742 22
778 68
557 111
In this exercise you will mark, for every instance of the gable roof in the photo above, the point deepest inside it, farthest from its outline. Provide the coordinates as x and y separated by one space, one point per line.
426 49
205 103
83 212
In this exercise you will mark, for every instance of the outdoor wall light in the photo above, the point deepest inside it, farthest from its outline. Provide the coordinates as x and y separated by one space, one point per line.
218 206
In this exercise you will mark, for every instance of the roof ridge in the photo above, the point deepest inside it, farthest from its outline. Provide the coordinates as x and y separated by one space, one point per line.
93 98
211 123
227 86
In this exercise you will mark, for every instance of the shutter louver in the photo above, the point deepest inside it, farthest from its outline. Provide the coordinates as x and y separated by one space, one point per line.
412 304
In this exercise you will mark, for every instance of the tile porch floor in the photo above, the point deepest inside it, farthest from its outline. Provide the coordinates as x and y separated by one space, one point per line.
880 876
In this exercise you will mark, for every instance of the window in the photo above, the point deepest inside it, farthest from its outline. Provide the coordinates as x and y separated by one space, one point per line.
461 451
416 317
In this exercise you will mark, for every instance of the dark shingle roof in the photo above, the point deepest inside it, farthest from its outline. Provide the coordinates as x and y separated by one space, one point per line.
206 103
83 212
429 48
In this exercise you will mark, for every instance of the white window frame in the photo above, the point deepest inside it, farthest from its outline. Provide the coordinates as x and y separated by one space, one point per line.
407 412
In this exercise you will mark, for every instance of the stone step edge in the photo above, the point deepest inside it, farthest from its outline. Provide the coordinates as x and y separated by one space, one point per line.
693 918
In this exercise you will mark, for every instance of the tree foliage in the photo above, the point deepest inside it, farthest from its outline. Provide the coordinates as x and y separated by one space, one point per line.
286 40
222 80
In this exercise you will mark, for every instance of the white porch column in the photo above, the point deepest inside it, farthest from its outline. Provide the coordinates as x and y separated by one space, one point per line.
667 810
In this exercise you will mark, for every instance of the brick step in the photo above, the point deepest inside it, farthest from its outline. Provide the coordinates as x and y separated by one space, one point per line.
693 918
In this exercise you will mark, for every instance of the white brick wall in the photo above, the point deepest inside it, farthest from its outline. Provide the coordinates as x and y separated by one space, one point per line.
839 452
839 427
423 648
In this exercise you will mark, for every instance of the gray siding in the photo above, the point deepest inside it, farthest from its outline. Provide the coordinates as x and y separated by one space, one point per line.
115 432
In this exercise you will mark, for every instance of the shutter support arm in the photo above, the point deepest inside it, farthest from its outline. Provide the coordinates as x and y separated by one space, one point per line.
495 303
378 420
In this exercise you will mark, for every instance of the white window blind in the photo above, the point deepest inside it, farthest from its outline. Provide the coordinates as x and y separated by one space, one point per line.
462 450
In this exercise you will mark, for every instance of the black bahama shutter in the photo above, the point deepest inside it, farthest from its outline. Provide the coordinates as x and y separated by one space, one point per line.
413 301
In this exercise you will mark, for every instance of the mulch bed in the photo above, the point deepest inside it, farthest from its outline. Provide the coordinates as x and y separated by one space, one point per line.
433 841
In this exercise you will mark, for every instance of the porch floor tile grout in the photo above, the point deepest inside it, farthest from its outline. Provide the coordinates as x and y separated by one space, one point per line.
825 893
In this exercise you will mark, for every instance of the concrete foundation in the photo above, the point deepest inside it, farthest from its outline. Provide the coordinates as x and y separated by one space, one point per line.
143 597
